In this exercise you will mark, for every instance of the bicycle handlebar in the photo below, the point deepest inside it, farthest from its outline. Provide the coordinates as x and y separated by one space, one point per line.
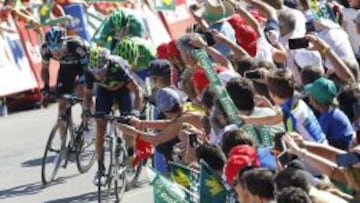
72 99
119 119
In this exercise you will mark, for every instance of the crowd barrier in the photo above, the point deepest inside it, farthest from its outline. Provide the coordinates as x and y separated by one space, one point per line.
20 63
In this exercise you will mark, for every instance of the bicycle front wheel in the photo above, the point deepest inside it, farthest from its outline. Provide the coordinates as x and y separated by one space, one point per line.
54 154
118 183
85 150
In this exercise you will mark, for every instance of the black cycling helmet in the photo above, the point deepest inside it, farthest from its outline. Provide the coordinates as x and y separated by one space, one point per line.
159 67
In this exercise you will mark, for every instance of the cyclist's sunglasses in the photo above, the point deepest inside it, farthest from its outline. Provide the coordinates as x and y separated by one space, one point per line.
98 71
56 47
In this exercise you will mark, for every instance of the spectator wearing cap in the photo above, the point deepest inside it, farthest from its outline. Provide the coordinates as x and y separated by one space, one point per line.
169 102
268 52
259 183
161 51
216 13
334 123
239 157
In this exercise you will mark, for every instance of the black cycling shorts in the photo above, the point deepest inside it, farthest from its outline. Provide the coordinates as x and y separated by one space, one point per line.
105 100
66 77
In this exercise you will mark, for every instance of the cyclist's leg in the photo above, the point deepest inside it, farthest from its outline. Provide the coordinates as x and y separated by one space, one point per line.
125 107
103 104
64 85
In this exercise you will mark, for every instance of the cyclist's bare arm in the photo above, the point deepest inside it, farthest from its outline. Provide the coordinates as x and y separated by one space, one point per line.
45 73
87 98
139 97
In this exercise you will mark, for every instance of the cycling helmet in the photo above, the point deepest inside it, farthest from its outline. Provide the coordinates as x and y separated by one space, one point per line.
159 67
167 99
128 50
55 37
117 18
98 58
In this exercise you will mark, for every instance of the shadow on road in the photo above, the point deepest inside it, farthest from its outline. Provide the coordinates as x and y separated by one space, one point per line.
31 188
87 197
32 162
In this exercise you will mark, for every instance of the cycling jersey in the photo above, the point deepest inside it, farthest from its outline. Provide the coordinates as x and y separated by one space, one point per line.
76 52
108 30
117 76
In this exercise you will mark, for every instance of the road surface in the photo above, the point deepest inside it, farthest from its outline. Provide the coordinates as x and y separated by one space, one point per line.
23 137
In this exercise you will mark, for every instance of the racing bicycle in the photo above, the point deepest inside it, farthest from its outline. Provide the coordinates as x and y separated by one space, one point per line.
74 143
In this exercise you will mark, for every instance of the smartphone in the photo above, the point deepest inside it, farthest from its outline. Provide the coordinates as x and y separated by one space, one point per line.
193 139
123 120
208 37
252 74
279 144
298 43
347 160
310 27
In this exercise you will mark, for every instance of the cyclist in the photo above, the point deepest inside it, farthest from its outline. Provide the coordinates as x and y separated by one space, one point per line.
120 23
72 54
114 83
138 52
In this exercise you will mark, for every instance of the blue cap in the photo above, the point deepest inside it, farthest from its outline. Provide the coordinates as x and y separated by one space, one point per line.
166 99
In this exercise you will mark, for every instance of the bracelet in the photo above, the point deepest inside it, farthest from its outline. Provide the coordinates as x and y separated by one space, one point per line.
325 50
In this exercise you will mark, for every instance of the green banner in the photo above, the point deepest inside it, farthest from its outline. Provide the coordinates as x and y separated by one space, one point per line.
212 189
217 86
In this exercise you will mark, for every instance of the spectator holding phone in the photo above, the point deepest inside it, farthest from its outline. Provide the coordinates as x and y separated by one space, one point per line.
334 123
295 113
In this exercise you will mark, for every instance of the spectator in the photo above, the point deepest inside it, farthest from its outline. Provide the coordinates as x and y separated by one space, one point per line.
215 13
213 156
327 160
334 123
296 114
292 195
259 183
311 73
239 157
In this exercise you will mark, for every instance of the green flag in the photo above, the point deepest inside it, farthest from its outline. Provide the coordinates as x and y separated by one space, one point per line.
183 175
321 10
164 5
212 189
165 190
217 86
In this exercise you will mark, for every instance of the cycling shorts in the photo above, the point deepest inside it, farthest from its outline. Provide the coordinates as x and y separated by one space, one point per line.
105 100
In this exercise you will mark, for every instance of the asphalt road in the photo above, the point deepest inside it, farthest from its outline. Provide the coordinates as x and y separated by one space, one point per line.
23 137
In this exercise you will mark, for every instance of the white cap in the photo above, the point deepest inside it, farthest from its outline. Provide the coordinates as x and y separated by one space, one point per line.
305 58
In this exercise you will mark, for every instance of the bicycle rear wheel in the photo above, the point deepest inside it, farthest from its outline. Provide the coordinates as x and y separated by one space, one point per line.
85 150
54 154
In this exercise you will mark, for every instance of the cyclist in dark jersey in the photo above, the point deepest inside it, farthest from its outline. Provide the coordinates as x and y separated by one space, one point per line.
114 83
72 54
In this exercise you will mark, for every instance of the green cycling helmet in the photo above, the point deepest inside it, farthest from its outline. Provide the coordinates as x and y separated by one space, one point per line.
128 50
98 58
118 19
